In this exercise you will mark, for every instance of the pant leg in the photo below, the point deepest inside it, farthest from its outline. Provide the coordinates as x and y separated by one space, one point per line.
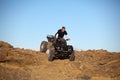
63 42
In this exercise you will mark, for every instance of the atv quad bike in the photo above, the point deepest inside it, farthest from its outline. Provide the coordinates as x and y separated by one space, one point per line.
58 48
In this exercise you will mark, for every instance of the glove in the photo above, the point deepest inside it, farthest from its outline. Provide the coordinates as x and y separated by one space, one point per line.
67 37
56 36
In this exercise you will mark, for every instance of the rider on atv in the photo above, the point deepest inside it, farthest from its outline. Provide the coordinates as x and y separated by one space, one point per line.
57 46
58 37
61 32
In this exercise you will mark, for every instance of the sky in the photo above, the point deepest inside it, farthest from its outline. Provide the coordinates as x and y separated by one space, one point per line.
91 24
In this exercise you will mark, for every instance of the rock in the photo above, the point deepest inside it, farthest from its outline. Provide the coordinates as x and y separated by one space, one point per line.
83 77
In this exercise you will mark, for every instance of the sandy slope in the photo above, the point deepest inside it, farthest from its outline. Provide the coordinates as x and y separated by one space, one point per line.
21 64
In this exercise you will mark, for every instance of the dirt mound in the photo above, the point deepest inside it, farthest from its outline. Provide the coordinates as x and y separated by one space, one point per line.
25 64
5 44
4 48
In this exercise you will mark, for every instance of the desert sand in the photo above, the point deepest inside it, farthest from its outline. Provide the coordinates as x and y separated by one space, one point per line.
26 64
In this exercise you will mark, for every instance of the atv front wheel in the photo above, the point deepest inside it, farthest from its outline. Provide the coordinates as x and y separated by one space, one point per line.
43 46
72 56
51 56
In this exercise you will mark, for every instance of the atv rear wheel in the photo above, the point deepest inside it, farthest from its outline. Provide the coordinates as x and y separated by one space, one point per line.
43 46
51 56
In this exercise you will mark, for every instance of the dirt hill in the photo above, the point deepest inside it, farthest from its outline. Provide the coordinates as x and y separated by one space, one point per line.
25 64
